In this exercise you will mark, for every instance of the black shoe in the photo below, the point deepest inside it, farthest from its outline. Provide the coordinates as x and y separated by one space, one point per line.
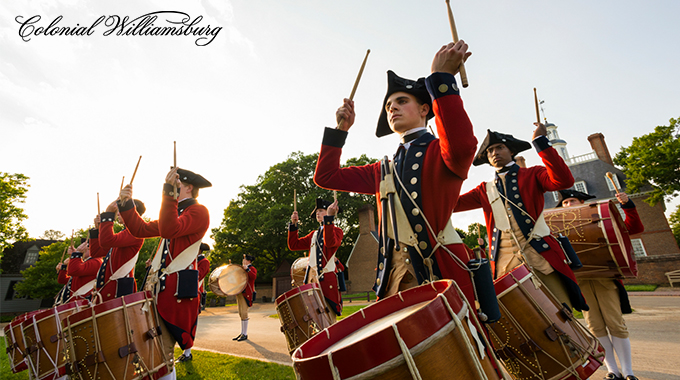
612 376
242 338
631 377
238 337
183 358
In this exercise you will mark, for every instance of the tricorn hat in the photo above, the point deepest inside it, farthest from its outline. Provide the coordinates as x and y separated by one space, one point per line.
192 178
570 193
139 205
204 248
250 258
395 83
323 205
515 145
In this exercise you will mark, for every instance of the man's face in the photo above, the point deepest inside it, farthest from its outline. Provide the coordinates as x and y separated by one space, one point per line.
499 155
185 189
404 113
320 213
571 202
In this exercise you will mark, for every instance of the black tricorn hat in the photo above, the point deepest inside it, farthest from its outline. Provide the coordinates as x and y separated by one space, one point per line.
139 205
322 204
570 193
515 145
250 258
395 83
204 247
192 178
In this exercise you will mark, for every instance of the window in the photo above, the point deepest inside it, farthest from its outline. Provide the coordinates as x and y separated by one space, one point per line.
609 183
638 247
581 186
620 209
556 195
31 255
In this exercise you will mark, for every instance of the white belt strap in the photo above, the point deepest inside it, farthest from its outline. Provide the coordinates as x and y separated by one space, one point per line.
330 265
84 289
184 259
125 269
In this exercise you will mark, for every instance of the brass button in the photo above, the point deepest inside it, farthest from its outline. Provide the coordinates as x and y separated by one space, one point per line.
414 180
545 245
514 188
419 154
443 88
382 250
528 221
419 228
514 173
509 215
381 266
493 238
415 212
178 301
407 261
494 229
377 281
108 295
520 204
405 249
330 287
422 245
415 166
516 196
414 195
492 247
514 180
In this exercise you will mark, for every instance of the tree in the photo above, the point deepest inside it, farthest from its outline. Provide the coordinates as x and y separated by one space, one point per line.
256 221
52 235
13 189
653 159
674 221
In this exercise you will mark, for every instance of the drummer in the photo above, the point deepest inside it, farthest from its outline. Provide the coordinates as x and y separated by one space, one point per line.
322 244
247 296
608 299
119 251
515 222
203 270
182 224
78 274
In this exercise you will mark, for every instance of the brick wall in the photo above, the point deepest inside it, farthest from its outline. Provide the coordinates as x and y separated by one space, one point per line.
657 238
652 269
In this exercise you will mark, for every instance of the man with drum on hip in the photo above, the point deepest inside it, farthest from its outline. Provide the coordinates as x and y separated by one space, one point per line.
173 276
119 252
247 296
607 298
322 244
513 209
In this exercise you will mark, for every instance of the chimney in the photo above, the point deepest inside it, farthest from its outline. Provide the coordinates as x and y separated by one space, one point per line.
366 219
521 162
600 148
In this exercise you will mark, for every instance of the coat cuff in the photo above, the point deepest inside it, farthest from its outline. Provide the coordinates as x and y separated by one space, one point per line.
63 266
292 227
328 220
76 255
628 204
108 217
128 205
541 143
440 85
334 137
169 190
94 233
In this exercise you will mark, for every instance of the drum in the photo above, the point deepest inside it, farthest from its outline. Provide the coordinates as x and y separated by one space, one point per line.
228 280
117 339
44 340
298 270
14 342
424 332
599 237
303 313
536 337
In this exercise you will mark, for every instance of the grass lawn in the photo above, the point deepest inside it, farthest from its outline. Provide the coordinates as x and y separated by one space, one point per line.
641 288
205 365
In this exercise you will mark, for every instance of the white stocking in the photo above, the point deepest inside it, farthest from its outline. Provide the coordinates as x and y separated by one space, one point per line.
187 352
622 347
609 357
244 327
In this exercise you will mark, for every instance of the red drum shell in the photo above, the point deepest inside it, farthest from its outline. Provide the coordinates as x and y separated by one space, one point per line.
312 359
14 337
302 312
599 236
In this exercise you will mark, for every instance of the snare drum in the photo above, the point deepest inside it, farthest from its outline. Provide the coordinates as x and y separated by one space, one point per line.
303 313
424 332
44 340
14 342
536 337
599 237
117 339
228 280
298 270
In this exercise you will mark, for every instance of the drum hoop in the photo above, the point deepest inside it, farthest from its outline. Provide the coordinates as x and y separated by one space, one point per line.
517 282
612 231
213 281
107 308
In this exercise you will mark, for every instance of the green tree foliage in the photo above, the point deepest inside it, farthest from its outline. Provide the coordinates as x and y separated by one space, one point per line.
52 235
256 221
653 159
13 189
674 221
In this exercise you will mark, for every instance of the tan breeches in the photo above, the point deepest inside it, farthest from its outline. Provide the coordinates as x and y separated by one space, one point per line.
242 307
605 314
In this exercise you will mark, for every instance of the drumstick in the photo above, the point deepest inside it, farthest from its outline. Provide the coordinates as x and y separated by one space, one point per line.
335 195
174 165
356 82
611 178
63 253
72 238
538 117
122 183
136 167
294 200
454 33
98 209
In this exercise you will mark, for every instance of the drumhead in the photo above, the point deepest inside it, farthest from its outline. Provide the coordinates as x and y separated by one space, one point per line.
298 269
228 280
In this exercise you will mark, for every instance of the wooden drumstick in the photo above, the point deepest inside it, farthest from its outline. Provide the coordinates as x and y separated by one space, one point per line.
538 116
136 167
122 183
356 82
63 253
335 195
610 175
99 212
454 33
174 166
72 231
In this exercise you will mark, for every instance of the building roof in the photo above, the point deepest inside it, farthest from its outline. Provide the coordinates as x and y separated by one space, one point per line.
13 257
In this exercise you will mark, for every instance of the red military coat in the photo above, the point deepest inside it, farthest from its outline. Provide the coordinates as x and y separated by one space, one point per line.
444 167
249 291
123 247
80 272
183 224
326 247
530 184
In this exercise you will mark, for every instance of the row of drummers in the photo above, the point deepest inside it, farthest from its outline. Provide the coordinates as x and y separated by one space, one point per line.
101 326
518 323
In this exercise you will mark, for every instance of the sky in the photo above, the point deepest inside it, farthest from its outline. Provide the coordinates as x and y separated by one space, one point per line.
76 112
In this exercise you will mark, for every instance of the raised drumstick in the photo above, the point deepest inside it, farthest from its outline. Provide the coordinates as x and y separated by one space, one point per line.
538 116
294 200
611 178
454 33
174 165
122 183
98 209
136 167
356 82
